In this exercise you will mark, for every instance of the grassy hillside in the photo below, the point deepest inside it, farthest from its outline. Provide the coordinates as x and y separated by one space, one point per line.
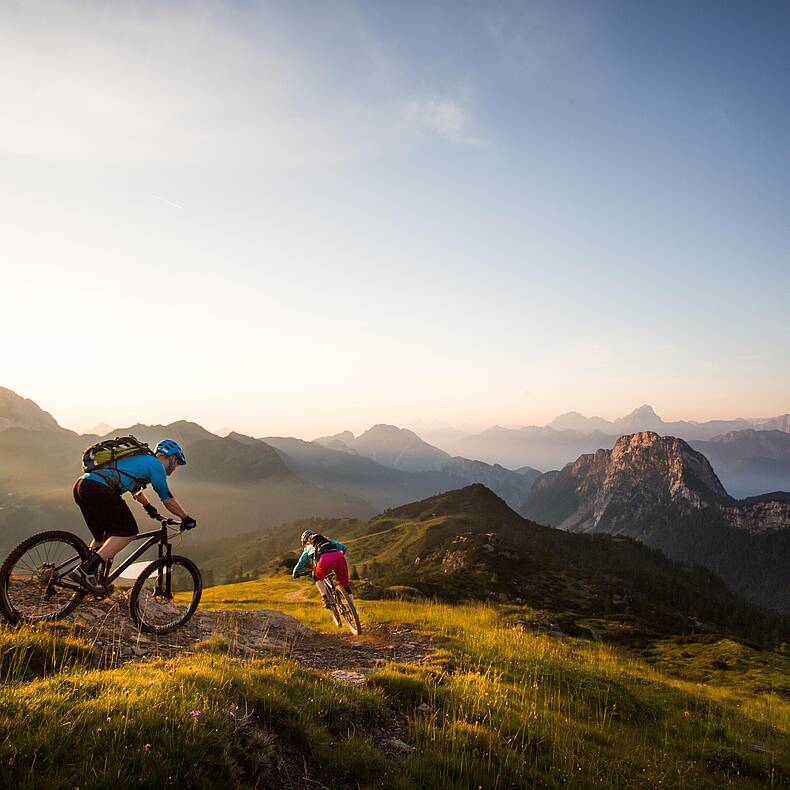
469 544
499 703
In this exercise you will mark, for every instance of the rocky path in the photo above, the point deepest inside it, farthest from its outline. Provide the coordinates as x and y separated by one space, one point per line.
253 633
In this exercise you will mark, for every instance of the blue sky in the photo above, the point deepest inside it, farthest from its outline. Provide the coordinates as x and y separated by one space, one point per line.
324 215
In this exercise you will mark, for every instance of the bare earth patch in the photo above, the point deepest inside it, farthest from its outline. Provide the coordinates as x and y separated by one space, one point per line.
248 633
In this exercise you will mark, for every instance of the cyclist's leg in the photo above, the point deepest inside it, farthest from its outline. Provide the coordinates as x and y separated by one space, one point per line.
93 518
110 522
113 545
337 562
117 522
320 572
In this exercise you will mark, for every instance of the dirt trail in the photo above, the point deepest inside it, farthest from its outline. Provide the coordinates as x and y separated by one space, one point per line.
253 633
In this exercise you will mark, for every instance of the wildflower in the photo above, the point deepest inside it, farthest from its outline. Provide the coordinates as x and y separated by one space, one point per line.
194 713
147 747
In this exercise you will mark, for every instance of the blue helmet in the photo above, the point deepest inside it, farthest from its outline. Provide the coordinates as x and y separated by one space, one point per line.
169 447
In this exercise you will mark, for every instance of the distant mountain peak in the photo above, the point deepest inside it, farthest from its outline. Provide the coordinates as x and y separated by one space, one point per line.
19 412
383 428
398 448
645 410
100 429
340 442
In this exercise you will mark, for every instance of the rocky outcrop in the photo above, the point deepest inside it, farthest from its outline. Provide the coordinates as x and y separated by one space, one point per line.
763 514
664 493
643 480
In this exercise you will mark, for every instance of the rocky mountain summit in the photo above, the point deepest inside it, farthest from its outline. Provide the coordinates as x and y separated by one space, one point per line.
633 487
661 491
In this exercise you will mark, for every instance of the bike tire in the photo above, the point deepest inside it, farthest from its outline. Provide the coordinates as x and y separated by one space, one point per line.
7 608
347 610
144 620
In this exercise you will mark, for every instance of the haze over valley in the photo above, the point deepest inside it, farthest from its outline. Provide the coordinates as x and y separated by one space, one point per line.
716 502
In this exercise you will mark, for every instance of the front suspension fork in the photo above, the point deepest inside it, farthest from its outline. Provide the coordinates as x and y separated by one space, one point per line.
164 576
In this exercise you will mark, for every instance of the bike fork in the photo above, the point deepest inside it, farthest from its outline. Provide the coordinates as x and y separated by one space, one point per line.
164 576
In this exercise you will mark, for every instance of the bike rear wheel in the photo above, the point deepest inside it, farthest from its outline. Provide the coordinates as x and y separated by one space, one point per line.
165 595
347 610
31 588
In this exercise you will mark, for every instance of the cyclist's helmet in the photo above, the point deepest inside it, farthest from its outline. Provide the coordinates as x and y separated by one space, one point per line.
306 535
169 447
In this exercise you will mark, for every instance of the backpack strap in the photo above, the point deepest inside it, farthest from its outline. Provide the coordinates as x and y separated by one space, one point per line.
116 484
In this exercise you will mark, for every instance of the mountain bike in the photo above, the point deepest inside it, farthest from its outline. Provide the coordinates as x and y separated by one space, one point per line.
342 606
35 588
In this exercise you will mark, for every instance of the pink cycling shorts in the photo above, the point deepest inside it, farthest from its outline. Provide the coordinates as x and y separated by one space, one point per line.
334 561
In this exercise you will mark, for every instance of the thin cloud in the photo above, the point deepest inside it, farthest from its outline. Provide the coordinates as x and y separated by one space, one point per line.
255 100
444 117
167 202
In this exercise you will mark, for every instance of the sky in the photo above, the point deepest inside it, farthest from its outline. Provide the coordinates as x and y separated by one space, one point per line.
301 217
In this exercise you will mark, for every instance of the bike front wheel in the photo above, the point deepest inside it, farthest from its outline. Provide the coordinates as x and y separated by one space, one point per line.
33 587
346 609
165 595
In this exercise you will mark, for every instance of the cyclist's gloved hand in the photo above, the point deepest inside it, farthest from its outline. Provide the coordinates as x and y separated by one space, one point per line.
151 510
188 523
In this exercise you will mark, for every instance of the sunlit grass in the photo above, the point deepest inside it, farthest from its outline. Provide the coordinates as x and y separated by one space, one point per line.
196 722
495 705
34 651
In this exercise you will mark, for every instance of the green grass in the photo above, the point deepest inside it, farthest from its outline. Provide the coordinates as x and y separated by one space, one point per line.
34 651
496 705
199 722
533 709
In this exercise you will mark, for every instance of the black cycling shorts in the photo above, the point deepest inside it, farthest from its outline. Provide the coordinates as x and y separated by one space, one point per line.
105 513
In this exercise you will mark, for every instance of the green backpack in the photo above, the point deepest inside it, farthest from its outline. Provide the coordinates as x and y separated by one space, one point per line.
111 450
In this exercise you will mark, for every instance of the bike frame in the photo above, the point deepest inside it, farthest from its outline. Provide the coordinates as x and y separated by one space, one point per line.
155 536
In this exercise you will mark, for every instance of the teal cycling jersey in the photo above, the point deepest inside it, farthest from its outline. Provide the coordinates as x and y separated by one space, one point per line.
309 551
132 474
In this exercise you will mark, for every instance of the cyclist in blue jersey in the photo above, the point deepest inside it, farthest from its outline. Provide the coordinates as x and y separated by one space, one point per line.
98 495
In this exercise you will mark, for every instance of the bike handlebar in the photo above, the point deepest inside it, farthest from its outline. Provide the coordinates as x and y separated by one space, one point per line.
169 522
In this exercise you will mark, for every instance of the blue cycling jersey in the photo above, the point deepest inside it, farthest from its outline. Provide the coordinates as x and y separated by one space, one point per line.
132 474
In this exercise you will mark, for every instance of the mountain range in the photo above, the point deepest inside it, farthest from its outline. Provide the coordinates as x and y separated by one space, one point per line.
751 461
665 493
401 449
750 455
238 483
659 490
